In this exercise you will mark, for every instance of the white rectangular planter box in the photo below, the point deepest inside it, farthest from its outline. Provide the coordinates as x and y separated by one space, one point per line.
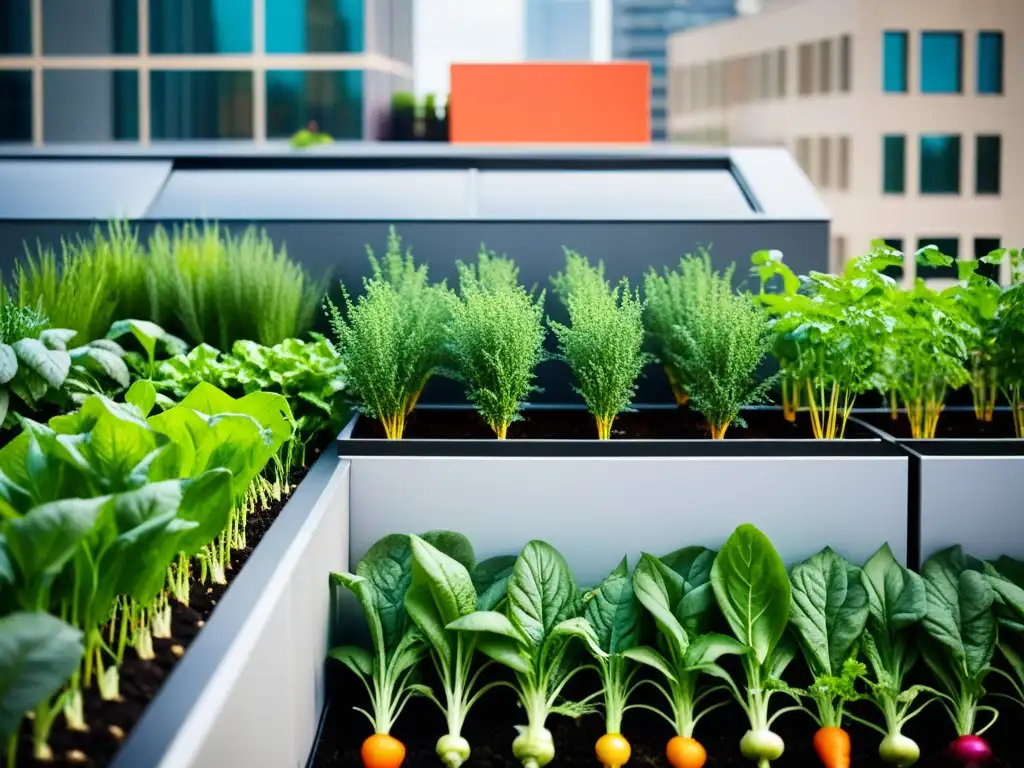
598 500
250 690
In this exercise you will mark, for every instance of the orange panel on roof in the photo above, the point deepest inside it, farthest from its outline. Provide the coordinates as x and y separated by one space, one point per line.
551 103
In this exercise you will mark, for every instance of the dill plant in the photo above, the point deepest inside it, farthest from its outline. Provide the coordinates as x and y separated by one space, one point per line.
669 299
603 343
496 338
727 337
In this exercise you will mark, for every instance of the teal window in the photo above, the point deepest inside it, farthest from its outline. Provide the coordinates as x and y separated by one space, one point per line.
988 159
894 165
90 27
82 105
16 97
950 246
983 246
333 99
201 105
894 67
200 26
990 62
942 62
940 165
333 26
15 28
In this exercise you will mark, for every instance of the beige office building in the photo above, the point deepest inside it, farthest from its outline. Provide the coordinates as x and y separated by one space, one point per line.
908 115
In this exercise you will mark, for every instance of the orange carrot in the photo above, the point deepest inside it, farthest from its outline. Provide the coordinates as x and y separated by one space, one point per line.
613 750
382 750
833 747
685 752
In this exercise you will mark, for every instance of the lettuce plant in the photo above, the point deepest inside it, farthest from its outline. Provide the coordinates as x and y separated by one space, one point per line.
496 339
1006 576
753 592
725 341
531 637
1007 346
669 299
603 343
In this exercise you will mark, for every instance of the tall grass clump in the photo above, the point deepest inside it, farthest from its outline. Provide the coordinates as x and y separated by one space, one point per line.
496 338
212 287
603 343
669 299
89 284
722 344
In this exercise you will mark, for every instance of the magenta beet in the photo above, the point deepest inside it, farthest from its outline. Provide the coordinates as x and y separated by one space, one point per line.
972 751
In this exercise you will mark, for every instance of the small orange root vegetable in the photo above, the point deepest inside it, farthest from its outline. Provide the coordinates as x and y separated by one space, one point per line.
382 750
613 750
833 747
685 752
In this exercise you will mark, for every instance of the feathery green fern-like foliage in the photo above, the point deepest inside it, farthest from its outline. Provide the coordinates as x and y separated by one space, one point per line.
603 343
496 338
669 300
726 338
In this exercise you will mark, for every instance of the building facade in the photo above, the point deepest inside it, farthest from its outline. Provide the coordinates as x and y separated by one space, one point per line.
557 30
911 125
641 30
153 70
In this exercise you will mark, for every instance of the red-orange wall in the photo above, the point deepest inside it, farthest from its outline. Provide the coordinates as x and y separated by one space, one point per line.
557 103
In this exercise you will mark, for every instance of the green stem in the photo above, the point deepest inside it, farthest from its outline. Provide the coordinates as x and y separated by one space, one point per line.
12 747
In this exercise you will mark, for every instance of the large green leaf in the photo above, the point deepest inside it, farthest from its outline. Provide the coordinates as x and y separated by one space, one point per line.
206 500
896 600
367 596
490 580
8 363
38 652
752 590
829 611
102 361
541 592
441 592
613 611
51 365
695 610
659 588
270 410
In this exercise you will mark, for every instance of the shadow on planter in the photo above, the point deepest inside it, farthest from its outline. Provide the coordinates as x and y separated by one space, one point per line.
597 500
259 659
966 484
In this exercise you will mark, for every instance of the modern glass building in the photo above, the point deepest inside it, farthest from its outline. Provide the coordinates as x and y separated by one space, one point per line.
640 32
152 70
557 30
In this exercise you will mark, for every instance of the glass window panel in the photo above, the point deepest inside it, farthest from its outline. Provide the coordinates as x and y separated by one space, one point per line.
942 62
950 246
990 62
896 273
940 165
988 161
333 99
90 27
90 105
845 63
15 28
894 164
315 26
894 70
16 97
200 26
201 105
983 246
825 66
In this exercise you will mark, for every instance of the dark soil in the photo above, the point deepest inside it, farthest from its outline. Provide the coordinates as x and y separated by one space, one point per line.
489 730
111 721
566 424
952 424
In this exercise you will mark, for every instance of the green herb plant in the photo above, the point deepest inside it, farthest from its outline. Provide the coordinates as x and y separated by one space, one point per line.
1006 575
496 339
603 343
1007 339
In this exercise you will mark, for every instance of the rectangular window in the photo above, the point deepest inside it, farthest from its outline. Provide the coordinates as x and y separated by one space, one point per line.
16 96
803 154
780 86
825 66
942 62
845 63
990 62
765 70
894 69
201 105
320 27
806 66
89 27
987 164
940 165
15 30
214 26
894 165
844 163
983 246
82 105
896 273
824 162
838 257
333 99
949 246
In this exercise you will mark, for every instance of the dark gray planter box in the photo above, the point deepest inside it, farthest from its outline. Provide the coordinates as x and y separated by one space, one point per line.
598 500
967 491
250 690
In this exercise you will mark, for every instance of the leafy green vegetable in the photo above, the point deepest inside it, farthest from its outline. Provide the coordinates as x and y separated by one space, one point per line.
1006 348
150 337
496 339
603 343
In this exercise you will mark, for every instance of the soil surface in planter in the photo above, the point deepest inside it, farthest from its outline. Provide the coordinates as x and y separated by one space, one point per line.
110 722
489 730
554 424
952 424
